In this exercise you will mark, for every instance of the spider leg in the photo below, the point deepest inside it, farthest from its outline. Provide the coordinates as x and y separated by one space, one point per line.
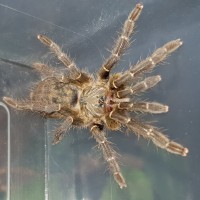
150 132
148 64
149 107
61 130
142 86
31 105
75 73
16 104
109 154
44 70
121 43
47 72
158 138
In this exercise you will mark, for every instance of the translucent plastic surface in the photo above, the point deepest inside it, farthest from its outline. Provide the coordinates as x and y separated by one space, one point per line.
31 168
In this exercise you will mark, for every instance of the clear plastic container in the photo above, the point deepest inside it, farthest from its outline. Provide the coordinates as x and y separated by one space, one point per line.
31 168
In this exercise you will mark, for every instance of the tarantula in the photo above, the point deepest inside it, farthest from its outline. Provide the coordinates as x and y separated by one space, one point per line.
104 102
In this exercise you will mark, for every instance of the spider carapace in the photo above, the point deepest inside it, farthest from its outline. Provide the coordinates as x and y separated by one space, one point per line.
107 101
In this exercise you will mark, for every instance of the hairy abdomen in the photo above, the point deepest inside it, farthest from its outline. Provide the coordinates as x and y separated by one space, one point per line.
51 91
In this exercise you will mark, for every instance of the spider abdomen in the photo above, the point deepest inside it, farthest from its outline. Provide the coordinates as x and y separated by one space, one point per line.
51 91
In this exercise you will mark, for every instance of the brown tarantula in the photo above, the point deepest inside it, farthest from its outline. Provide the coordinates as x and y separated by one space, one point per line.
104 102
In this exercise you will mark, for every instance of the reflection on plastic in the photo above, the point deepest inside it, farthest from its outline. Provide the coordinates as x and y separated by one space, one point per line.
5 166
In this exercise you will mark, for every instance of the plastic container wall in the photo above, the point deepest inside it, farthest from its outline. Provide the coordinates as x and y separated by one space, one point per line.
31 168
